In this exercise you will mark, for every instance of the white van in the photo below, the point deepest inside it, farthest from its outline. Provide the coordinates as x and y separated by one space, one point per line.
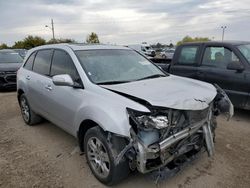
143 48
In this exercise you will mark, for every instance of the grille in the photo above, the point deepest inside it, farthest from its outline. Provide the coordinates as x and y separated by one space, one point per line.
10 72
10 78
2 80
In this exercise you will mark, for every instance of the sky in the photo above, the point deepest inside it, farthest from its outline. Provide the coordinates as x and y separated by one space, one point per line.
125 21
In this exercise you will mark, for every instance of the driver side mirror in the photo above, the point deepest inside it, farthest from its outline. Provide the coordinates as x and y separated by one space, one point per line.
235 65
63 80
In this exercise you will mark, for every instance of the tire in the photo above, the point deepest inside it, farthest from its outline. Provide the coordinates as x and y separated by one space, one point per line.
29 116
109 173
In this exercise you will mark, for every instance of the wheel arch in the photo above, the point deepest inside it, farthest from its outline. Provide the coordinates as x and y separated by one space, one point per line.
19 93
83 128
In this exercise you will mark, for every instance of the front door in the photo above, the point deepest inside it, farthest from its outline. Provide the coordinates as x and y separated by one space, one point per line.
214 68
63 102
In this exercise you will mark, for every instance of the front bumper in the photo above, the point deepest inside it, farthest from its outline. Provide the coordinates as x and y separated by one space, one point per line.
158 154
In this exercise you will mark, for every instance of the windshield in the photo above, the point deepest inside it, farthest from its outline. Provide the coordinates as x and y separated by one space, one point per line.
245 50
10 57
116 66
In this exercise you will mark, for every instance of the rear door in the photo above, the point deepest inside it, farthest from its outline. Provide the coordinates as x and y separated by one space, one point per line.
37 80
62 102
214 67
186 61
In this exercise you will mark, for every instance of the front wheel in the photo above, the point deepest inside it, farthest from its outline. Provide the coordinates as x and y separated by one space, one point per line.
100 157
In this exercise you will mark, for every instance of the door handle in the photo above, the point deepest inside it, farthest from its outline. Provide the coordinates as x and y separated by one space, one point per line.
28 77
48 87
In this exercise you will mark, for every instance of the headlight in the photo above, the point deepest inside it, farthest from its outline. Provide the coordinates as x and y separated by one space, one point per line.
2 73
149 120
158 122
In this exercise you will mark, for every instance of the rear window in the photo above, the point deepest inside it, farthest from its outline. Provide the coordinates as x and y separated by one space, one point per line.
29 63
42 62
188 55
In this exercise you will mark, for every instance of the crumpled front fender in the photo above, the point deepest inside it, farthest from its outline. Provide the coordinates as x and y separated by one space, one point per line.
223 104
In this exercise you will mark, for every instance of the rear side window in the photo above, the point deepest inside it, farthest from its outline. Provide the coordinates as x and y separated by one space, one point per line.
63 64
29 63
188 55
42 62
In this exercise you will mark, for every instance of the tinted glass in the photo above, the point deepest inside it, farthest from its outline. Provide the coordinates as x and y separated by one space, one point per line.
245 50
42 62
116 65
188 55
63 64
29 63
10 57
218 57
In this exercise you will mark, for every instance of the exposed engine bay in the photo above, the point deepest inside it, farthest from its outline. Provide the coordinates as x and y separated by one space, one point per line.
163 136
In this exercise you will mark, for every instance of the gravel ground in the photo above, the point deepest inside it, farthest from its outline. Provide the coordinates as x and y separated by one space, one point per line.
46 156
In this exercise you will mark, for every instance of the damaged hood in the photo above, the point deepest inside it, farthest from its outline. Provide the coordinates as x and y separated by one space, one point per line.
171 92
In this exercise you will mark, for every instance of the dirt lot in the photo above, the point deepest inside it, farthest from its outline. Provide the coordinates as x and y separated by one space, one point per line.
46 156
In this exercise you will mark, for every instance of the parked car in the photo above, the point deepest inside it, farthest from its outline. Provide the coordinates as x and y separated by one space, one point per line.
10 62
22 52
167 53
126 112
143 48
225 63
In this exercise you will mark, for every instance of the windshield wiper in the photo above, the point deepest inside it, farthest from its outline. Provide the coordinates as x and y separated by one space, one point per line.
111 82
152 76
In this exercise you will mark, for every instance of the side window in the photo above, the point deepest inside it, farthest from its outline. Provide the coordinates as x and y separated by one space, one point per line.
29 63
188 55
218 57
63 64
42 62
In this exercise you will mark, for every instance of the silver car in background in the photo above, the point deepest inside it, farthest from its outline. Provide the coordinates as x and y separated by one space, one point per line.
167 53
125 112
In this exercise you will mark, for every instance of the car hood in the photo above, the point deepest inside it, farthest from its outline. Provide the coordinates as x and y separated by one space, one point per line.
10 66
171 92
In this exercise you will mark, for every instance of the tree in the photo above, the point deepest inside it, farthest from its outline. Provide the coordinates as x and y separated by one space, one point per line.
29 42
3 46
171 45
61 40
190 39
18 44
92 38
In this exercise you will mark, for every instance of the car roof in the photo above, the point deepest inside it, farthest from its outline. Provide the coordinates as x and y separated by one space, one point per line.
76 46
236 43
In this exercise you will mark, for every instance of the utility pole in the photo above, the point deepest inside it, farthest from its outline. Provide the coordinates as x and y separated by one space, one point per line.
52 29
223 32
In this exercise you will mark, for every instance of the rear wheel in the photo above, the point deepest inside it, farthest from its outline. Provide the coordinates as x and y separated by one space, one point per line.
100 157
28 115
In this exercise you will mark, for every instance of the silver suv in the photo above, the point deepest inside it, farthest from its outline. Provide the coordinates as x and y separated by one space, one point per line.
126 112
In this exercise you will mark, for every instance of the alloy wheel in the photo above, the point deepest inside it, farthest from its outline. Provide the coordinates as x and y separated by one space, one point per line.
98 157
25 109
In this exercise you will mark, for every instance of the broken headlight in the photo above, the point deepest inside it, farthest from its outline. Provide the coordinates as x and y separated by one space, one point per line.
149 120
158 122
